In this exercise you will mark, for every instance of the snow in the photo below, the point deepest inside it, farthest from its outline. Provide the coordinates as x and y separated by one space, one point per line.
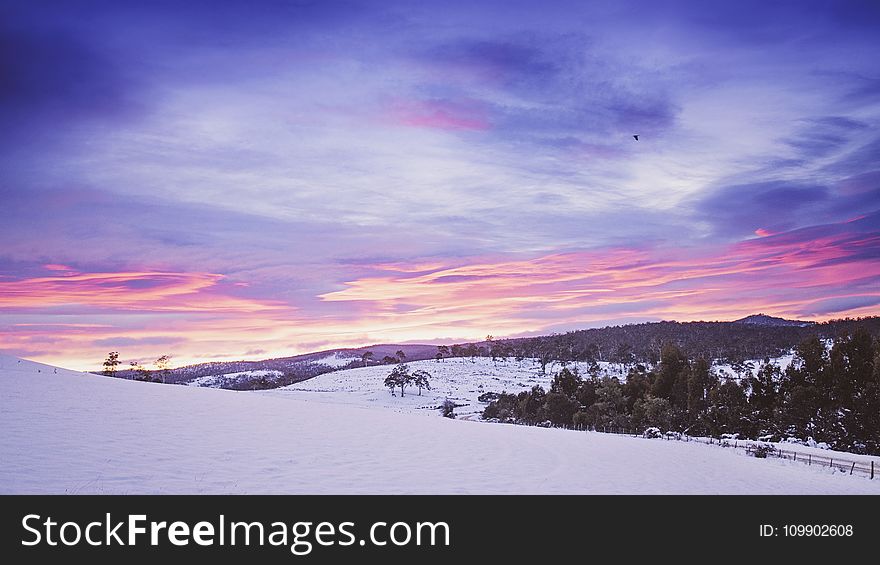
70 432
459 379
749 367
336 360
219 381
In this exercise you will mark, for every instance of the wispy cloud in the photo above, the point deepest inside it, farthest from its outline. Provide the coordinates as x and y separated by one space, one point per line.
138 291
214 179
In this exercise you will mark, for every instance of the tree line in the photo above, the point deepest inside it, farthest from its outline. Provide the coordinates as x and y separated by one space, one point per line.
830 395
630 344
137 371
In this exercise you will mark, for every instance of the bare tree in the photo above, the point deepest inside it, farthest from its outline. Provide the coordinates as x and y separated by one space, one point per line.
111 363
140 373
163 364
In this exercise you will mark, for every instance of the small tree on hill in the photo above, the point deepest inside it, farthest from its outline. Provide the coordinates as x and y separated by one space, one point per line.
399 377
139 373
401 356
442 352
111 363
420 380
447 409
366 357
163 366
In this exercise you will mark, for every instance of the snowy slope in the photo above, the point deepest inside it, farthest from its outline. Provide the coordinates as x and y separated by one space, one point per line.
337 359
461 380
225 380
70 432
750 367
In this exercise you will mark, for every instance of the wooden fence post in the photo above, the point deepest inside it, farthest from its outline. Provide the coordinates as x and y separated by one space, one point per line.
809 459
872 469
831 463
852 468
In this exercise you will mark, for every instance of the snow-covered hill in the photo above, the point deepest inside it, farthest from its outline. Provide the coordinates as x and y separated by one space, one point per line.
461 380
69 432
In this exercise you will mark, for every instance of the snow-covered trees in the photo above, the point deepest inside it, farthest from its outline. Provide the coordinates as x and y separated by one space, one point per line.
830 395
400 377
421 380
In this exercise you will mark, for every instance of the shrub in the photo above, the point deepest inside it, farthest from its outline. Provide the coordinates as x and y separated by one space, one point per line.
762 450
447 409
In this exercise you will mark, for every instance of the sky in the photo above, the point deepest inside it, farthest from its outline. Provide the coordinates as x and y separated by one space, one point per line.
245 180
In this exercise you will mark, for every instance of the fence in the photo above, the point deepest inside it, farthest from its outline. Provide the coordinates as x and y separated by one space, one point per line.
843 465
865 468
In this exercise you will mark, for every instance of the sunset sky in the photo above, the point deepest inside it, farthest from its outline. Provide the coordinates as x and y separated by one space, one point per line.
244 180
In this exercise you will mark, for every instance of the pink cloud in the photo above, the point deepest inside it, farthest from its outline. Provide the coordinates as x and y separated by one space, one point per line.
193 315
144 291
781 277
59 268
440 114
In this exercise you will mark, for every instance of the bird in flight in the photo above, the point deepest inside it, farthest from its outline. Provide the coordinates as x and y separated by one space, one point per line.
636 137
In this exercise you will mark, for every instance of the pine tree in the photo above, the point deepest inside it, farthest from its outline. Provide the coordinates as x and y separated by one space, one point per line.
558 408
672 363
805 410
764 400
566 382
698 385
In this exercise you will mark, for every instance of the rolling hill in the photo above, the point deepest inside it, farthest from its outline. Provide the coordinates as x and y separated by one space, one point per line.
70 432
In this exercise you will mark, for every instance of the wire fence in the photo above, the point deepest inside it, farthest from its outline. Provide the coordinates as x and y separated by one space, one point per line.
759 449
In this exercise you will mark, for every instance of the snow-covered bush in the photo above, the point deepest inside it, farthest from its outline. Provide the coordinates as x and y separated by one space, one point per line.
652 433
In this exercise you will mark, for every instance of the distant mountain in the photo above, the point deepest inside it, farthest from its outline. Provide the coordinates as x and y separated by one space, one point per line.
765 320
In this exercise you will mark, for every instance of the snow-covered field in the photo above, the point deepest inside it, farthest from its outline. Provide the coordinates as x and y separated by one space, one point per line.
750 367
220 381
69 432
459 379
336 360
